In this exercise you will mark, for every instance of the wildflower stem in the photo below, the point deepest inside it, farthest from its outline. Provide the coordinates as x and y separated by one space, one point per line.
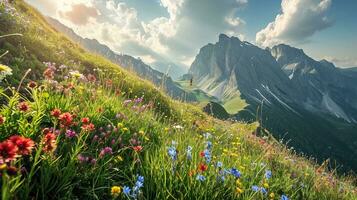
22 80
2 55
9 35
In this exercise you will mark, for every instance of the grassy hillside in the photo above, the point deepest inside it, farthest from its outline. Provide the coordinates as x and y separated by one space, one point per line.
102 133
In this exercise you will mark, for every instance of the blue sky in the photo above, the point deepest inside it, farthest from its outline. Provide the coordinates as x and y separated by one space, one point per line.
173 31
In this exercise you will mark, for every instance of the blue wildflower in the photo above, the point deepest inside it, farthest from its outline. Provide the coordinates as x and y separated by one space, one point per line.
263 190
207 155
126 190
200 177
172 152
209 145
236 173
268 174
283 197
255 188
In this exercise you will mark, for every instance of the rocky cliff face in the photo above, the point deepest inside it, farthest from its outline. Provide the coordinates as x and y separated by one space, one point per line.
312 103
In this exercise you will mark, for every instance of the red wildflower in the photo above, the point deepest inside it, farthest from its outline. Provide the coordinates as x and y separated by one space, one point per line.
49 142
91 78
8 151
88 127
66 119
202 154
32 84
202 167
109 82
85 120
24 145
138 148
2 119
23 106
49 73
56 112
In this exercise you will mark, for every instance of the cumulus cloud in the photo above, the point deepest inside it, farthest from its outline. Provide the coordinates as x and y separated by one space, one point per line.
299 20
343 61
175 37
80 14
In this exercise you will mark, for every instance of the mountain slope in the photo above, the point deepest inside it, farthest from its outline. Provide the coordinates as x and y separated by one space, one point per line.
104 133
126 61
306 102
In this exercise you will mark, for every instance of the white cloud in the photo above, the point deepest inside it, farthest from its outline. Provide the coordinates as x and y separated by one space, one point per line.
343 61
176 38
299 20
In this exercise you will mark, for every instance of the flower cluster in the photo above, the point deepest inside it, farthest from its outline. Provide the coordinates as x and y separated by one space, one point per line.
135 191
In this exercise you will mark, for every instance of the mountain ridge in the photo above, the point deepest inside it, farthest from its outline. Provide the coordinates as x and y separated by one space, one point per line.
289 89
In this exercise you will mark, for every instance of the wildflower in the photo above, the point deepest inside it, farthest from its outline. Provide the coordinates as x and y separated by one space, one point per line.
85 120
189 153
91 78
126 102
115 191
76 74
106 150
32 84
202 167
49 142
4 71
24 145
88 127
8 151
283 197
138 148
209 145
219 164
119 159
3 167
2 119
207 135
239 190
49 73
70 133
200 177
126 190
236 173
172 152
178 127
239 184
266 185
255 188
23 106
66 119
268 174
263 190
56 112
272 195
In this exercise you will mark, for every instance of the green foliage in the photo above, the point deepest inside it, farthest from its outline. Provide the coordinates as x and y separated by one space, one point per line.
99 139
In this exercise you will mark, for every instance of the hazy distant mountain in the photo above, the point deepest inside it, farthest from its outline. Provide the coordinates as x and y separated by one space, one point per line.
128 62
312 103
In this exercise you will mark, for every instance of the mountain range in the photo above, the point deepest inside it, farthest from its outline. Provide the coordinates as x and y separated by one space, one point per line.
310 104
128 62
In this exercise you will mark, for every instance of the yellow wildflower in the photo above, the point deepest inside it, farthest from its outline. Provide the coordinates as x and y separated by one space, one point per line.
266 185
239 190
116 190
272 195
